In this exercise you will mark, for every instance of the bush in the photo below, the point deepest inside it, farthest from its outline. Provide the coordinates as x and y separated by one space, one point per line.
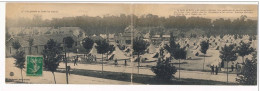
163 70
248 75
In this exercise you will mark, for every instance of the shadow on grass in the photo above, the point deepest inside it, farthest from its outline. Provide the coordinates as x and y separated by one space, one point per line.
141 78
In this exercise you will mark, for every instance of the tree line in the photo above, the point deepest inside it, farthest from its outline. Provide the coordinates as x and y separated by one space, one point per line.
117 24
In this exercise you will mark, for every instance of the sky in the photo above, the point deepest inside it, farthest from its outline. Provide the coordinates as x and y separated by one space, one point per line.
59 10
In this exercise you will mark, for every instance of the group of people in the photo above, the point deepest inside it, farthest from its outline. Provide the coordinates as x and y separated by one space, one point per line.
90 58
214 69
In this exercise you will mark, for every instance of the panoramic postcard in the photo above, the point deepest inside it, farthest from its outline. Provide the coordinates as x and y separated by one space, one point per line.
131 43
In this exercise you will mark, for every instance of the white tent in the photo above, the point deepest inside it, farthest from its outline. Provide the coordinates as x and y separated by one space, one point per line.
190 54
148 57
118 54
162 45
147 35
93 51
254 44
151 49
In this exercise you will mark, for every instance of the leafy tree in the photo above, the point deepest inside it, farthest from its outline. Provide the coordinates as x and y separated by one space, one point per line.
68 43
173 46
250 38
52 56
248 75
240 36
244 49
30 41
204 47
221 36
87 44
163 70
93 25
235 36
102 48
179 54
16 45
19 57
139 46
228 53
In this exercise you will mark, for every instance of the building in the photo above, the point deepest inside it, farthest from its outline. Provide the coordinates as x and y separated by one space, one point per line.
40 40
125 37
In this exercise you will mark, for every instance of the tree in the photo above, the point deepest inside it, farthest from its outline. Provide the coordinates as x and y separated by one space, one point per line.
102 48
179 54
163 70
250 38
87 44
248 75
228 53
52 56
244 49
19 57
221 36
30 41
139 46
16 45
68 43
173 44
235 36
240 36
204 46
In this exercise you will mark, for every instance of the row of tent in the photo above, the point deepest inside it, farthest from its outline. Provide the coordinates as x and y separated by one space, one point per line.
152 52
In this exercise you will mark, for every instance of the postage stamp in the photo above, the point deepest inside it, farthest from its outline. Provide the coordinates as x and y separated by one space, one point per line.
34 65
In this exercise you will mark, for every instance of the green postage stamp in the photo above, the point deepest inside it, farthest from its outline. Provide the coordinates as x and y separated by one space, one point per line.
34 65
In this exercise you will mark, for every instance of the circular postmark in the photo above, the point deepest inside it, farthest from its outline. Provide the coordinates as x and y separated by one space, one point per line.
11 74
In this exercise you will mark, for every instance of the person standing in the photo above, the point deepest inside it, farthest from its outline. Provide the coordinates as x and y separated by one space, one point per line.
216 70
125 62
232 67
75 61
116 62
68 69
213 69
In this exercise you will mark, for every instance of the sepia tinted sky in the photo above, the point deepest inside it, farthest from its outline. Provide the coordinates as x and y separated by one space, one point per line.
58 10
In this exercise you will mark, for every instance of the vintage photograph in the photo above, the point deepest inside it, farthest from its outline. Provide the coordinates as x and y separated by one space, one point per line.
131 43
